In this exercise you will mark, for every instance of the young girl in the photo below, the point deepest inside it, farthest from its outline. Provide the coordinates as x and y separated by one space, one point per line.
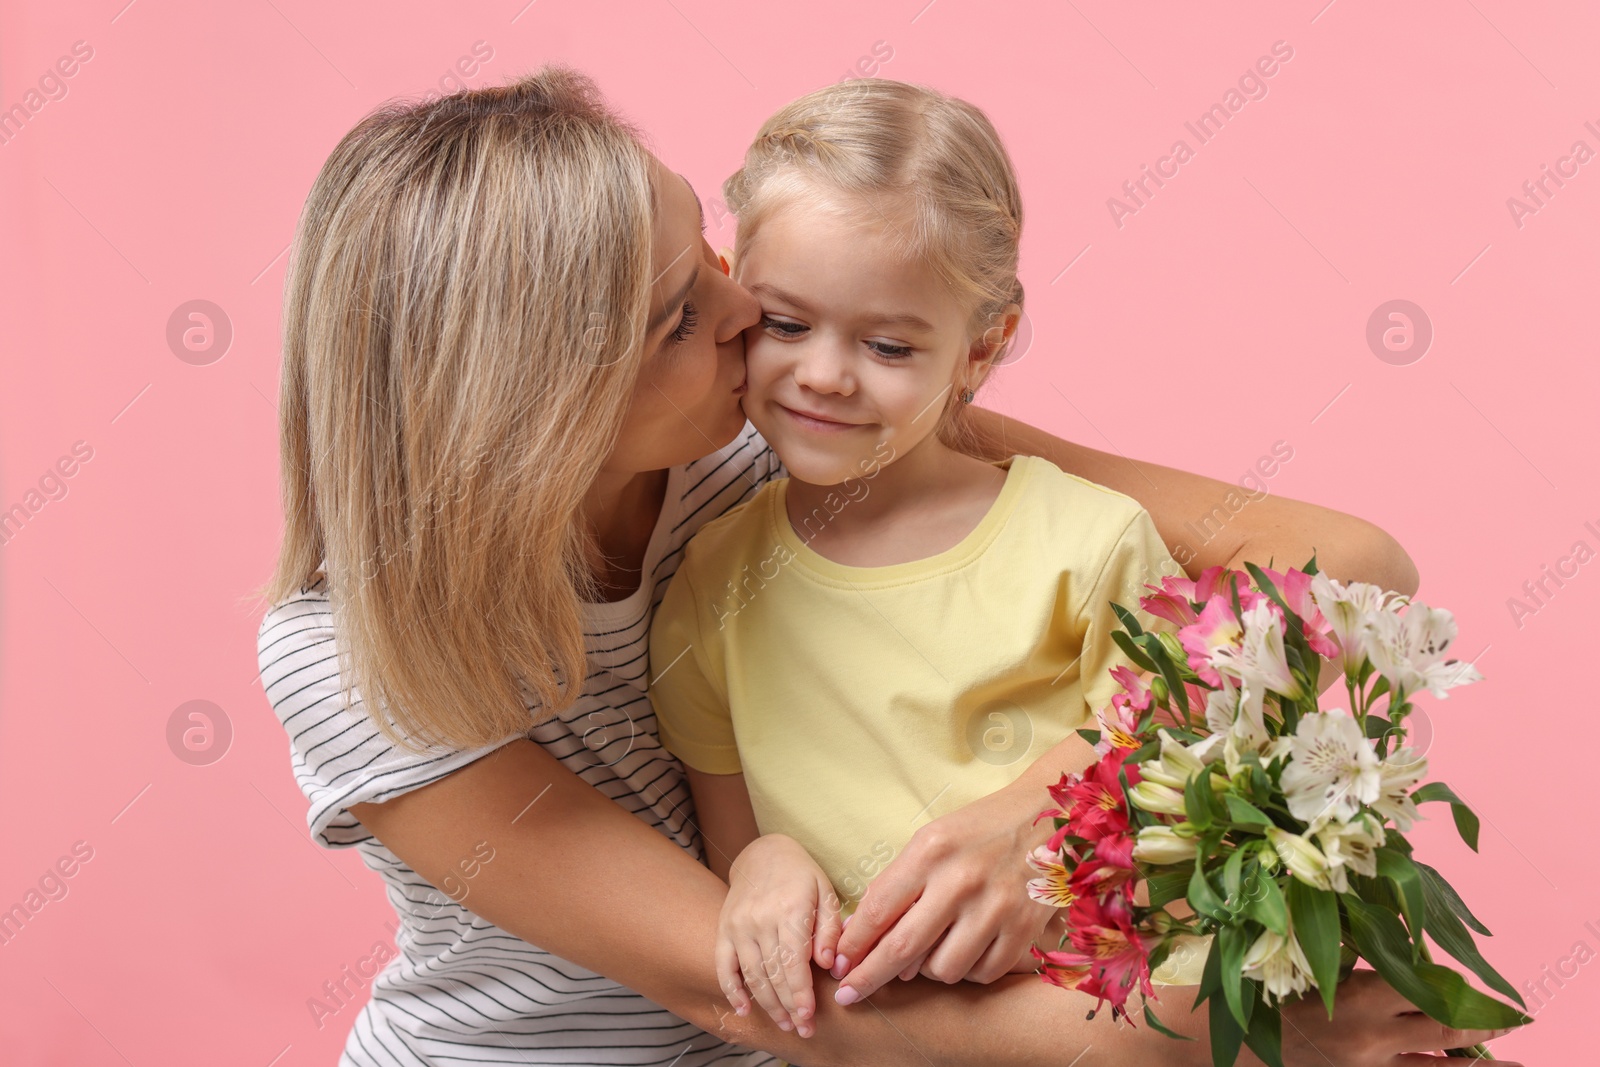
890 632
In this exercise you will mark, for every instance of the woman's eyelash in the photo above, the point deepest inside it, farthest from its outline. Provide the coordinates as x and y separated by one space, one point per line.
686 325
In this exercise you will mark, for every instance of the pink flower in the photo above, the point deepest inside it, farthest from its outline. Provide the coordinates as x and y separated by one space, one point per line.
1295 588
1217 628
1120 728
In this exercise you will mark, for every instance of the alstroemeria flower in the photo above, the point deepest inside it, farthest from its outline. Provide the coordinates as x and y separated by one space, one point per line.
1352 844
1051 886
1095 807
1112 956
1349 610
1397 774
1409 650
1279 964
1119 724
1303 858
1216 630
1295 588
1332 769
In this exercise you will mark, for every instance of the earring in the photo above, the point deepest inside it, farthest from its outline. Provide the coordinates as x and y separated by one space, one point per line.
966 396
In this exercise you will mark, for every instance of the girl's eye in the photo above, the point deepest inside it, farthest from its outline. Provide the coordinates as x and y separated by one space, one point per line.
782 329
686 325
888 351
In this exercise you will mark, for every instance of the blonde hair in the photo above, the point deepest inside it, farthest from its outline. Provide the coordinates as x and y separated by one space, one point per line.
930 167
463 323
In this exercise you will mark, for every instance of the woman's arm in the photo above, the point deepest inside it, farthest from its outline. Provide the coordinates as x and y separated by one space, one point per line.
577 875
1272 528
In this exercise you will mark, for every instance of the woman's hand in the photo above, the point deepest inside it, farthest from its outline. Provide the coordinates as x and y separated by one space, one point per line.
952 906
781 913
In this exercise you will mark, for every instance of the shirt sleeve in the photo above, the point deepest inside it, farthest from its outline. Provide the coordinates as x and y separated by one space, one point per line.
1138 558
688 688
339 756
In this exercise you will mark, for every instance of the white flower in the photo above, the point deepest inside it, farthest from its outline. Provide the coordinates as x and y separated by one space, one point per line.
1332 769
1279 964
1402 769
1349 610
1176 764
1261 657
1235 720
1351 844
1161 844
1409 650
1303 858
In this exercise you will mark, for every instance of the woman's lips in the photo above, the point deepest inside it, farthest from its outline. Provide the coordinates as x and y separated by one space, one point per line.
818 423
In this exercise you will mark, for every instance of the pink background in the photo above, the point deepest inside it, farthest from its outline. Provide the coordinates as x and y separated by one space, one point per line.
1378 167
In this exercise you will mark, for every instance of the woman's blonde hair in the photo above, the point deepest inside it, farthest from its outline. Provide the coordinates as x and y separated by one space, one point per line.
463 323
927 167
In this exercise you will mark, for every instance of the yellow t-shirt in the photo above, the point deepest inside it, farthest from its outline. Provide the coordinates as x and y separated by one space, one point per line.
863 702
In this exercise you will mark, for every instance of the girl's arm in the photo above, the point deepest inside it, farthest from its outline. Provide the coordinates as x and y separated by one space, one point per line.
1274 528
584 879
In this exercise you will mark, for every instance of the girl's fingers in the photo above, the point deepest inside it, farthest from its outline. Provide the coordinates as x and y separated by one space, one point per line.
728 978
753 966
795 991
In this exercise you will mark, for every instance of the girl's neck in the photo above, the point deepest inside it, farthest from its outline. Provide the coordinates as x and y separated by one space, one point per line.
918 505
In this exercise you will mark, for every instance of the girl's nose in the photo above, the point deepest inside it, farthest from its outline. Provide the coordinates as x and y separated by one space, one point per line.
824 369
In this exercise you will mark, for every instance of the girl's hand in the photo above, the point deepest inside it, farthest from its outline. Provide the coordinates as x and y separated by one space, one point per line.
781 913
952 906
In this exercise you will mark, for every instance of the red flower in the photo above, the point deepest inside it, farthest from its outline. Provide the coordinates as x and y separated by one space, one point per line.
1111 957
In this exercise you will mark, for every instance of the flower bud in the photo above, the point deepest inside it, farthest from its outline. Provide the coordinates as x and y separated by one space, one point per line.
1160 845
1162 799
1304 859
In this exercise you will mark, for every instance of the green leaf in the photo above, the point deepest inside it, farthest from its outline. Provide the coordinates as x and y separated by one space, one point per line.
1165 887
1265 1036
1311 565
1197 799
1155 1024
1466 821
1175 686
1458 907
1439 991
1265 585
1232 875
1226 1033
1202 898
1125 643
1234 941
1446 929
1377 725
1091 736
1316 927
1210 975
1241 810
1128 619
1403 873
1265 903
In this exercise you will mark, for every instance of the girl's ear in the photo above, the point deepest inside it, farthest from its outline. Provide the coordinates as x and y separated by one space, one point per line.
988 345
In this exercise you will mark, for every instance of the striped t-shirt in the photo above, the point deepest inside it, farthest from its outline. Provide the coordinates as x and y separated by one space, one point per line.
460 989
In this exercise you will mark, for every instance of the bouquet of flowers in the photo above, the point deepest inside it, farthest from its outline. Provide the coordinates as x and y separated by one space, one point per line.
1221 781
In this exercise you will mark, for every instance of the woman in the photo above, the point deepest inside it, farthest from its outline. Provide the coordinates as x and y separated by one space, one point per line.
510 394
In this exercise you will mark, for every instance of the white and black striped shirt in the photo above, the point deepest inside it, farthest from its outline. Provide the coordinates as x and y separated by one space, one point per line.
460 989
